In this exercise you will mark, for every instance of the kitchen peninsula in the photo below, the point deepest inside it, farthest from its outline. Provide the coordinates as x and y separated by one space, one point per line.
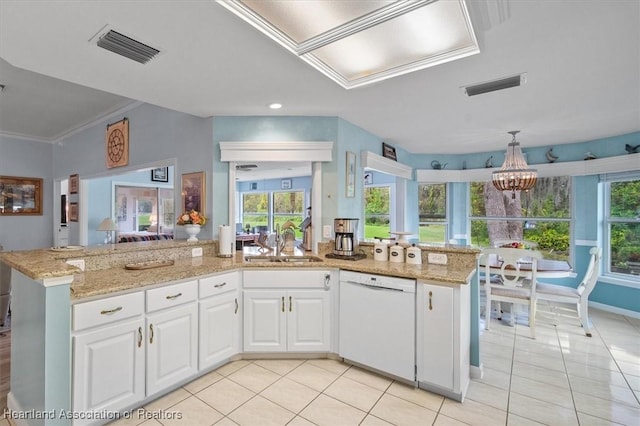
59 310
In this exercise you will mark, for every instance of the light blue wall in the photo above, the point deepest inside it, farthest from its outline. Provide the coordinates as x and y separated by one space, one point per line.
297 183
31 159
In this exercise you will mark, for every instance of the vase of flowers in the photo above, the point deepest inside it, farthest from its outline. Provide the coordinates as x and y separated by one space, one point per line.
192 222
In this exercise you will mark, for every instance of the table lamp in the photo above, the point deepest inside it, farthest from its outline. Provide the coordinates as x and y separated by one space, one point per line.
107 225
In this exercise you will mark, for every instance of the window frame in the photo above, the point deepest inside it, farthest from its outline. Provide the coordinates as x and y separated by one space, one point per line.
629 280
392 202
447 210
570 219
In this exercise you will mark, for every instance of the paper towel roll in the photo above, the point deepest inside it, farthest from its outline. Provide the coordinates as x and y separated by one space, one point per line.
225 241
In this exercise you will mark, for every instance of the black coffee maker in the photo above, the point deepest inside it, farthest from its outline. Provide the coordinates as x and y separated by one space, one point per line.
346 240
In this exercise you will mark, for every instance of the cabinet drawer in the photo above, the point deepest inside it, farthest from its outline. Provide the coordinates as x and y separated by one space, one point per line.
107 310
286 278
171 295
218 284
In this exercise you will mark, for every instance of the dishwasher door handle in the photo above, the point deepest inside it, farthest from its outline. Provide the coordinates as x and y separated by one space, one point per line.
373 287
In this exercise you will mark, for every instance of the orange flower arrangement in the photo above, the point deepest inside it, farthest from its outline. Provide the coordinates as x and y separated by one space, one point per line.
192 218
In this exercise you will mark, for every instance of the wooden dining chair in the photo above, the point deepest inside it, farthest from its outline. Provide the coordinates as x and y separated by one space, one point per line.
507 282
578 296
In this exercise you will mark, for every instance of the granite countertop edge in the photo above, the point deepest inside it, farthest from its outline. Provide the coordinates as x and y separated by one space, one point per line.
43 264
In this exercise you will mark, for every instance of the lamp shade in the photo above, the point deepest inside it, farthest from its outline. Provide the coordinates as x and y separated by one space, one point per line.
515 174
107 224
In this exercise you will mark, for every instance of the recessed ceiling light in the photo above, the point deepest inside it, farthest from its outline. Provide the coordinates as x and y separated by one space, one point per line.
275 106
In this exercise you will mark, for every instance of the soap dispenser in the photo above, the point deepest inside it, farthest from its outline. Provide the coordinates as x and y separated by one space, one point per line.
396 254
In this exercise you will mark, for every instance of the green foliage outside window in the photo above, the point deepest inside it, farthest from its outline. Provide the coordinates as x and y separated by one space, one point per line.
377 208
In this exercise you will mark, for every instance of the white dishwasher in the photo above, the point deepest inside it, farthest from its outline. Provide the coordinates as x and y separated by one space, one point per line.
377 322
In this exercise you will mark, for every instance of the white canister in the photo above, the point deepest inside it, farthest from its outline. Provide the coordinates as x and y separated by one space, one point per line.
381 251
396 254
414 255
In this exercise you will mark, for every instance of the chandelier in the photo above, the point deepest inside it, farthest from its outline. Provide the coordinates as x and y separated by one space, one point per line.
515 174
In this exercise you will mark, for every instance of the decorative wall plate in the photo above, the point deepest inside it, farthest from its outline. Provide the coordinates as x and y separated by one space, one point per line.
117 144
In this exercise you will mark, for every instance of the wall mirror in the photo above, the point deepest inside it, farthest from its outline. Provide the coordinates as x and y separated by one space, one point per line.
141 204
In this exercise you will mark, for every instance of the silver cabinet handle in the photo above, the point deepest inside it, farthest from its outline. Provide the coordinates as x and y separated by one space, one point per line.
139 336
236 311
290 304
151 331
282 303
175 296
430 300
111 311
327 280
220 285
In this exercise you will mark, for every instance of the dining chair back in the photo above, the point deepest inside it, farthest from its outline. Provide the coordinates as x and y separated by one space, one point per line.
579 295
507 281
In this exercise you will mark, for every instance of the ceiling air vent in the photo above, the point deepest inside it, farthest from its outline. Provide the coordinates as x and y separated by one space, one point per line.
492 86
127 47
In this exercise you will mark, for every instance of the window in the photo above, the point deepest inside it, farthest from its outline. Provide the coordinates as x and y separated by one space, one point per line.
288 206
432 210
266 209
623 226
377 211
541 216
255 209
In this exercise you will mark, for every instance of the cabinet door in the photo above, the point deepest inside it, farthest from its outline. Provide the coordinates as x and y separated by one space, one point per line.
308 321
264 321
172 346
219 329
435 335
108 367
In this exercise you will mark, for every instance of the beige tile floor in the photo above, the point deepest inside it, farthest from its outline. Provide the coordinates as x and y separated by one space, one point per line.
560 378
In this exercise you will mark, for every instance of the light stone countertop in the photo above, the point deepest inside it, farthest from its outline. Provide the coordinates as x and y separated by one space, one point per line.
103 277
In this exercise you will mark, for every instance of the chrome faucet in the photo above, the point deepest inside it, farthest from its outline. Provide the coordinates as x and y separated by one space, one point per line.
279 241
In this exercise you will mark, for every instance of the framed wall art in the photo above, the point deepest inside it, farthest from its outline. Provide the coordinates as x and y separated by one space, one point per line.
350 176
73 212
117 143
160 174
193 192
74 184
389 152
20 196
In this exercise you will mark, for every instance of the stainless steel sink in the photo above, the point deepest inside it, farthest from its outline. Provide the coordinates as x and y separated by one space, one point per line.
281 259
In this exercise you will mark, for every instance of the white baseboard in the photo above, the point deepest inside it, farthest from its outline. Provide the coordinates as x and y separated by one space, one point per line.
613 309
13 406
476 372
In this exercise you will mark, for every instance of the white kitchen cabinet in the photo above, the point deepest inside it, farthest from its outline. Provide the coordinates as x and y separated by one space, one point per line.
443 338
219 325
108 354
287 311
172 346
172 335
121 356
109 367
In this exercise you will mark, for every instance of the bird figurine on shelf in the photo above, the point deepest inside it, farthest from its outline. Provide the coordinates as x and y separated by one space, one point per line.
632 149
589 156
489 163
550 156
